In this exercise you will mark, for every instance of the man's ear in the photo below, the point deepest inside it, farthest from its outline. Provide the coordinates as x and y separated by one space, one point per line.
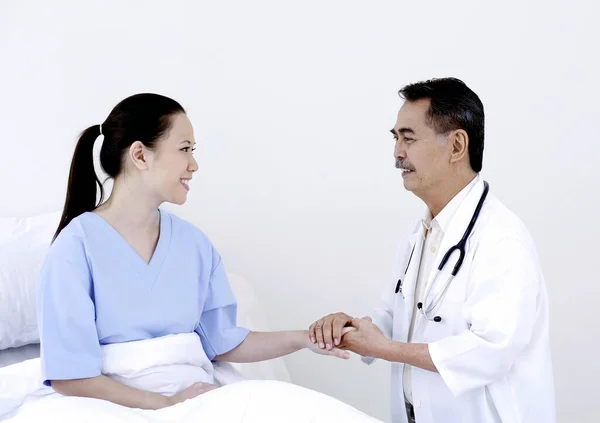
460 145
137 155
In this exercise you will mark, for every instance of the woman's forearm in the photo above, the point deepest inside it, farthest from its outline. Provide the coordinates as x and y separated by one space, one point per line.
259 346
105 388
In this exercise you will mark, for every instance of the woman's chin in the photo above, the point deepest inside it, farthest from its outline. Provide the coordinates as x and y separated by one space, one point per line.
178 199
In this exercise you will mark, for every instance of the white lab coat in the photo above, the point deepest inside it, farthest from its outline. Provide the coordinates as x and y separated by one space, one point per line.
492 347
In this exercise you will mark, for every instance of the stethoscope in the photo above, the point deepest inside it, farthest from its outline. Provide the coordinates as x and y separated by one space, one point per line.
460 247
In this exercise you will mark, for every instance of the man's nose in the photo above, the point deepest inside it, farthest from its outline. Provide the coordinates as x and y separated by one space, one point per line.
399 150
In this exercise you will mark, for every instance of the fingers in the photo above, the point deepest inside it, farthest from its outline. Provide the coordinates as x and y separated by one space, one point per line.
338 327
347 329
336 352
311 333
356 322
200 388
368 319
316 332
191 391
328 331
206 388
319 333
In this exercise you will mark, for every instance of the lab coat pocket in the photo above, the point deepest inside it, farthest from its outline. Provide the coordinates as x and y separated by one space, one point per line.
452 321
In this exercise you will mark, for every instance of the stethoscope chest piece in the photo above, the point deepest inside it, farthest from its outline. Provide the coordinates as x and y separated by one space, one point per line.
436 319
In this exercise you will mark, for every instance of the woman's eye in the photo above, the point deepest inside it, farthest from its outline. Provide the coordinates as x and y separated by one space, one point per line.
185 149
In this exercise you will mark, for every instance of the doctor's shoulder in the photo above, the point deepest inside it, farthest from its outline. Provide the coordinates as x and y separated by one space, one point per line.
499 222
503 250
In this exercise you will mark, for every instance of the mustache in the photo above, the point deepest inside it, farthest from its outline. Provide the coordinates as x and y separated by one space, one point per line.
402 164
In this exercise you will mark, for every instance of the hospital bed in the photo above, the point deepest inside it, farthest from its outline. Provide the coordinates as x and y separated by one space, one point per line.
254 392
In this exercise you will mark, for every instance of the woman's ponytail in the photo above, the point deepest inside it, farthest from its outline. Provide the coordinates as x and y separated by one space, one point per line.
81 189
144 117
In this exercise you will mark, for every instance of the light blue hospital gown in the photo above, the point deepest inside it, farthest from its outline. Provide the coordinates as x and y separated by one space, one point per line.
94 289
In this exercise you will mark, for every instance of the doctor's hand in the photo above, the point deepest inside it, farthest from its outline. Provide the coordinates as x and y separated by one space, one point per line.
364 338
326 333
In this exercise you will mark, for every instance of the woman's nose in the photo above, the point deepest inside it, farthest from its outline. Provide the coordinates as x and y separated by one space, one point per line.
193 165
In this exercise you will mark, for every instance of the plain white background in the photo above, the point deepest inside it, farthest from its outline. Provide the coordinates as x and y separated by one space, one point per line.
292 103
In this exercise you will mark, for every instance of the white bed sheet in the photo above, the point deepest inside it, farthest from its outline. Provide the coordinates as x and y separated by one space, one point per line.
168 365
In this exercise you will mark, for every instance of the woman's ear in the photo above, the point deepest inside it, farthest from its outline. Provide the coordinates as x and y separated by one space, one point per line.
460 146
137 155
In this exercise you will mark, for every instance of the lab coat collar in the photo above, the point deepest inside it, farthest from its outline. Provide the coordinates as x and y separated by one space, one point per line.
410 277
445 216
457 226
416 244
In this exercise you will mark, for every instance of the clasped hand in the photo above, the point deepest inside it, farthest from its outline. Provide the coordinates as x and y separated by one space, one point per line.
338 330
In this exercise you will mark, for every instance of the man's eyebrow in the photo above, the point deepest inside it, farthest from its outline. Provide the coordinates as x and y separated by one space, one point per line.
402 131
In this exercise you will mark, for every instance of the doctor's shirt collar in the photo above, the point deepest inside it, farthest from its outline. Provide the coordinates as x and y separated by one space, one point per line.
442 220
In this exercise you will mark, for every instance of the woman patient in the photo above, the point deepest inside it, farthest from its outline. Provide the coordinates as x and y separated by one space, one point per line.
125 270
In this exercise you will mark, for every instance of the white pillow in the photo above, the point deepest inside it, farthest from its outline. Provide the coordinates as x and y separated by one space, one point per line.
24 243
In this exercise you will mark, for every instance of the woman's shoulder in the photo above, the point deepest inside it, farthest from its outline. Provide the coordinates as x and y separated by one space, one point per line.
71 233
67 253
74 235
184 229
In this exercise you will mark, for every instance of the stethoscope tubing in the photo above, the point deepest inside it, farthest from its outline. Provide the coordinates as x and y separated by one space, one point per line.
461 248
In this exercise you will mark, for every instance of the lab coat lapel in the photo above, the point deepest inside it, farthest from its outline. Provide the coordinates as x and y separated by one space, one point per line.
411 275
456 228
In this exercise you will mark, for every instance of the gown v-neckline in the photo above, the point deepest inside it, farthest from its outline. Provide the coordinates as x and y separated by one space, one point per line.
152 267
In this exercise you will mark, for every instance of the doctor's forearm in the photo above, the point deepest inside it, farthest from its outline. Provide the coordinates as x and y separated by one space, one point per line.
259 346
416 355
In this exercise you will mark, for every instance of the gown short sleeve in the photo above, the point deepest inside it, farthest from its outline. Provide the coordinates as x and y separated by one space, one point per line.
218 328
69 345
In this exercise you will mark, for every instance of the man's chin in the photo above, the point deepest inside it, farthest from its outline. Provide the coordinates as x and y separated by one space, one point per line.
408 185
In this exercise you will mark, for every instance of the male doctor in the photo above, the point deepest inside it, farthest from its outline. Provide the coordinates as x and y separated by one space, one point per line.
473 348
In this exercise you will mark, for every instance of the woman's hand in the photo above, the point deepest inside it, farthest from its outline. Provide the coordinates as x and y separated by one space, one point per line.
193 391
334 351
